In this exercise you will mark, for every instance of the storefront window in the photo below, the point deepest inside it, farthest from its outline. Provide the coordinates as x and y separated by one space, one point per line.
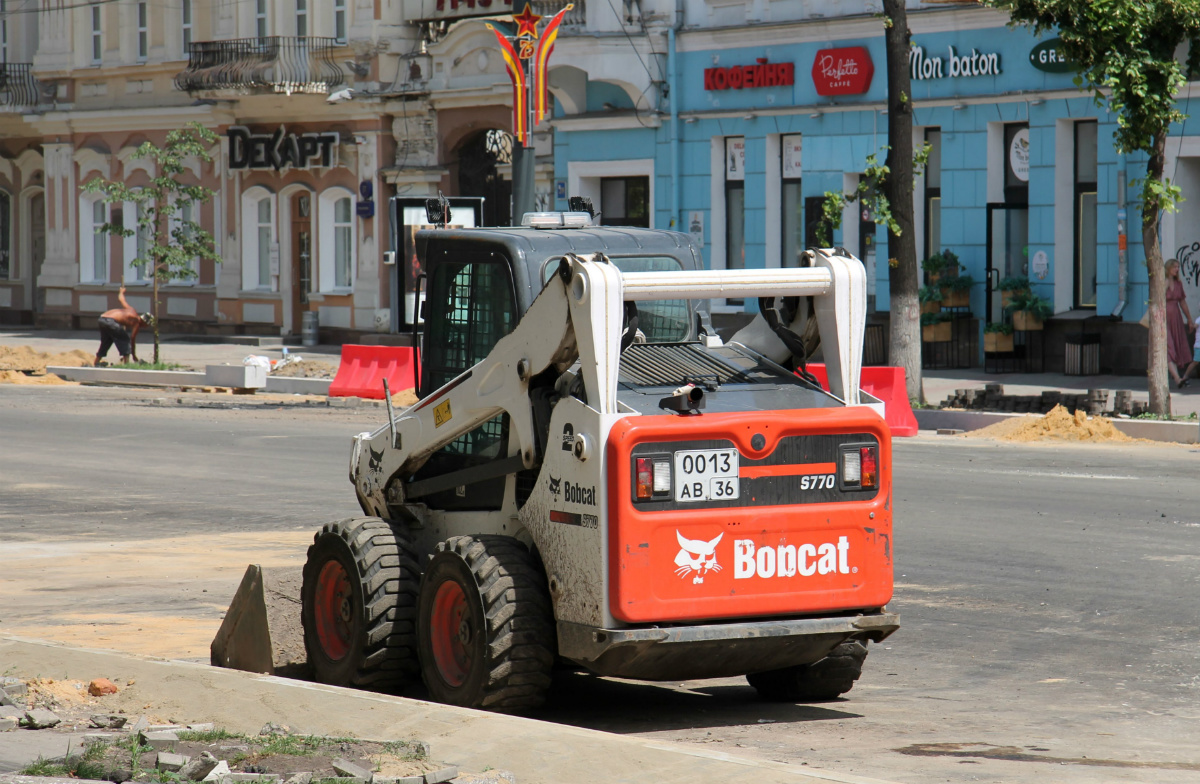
5 236
342 238
933 192
1085 214
792 201
735 206
625 201
264 242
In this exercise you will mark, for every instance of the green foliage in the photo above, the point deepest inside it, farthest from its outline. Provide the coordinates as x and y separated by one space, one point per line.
1030 303
205 736
1003 329
869 193
1126 56
942 262
957 283
927 294
1016 283
929 319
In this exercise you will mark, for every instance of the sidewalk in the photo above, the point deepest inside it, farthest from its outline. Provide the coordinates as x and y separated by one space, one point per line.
535 751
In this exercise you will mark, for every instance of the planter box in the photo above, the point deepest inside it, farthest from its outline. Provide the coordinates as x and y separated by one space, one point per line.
937 333
1024 322
997 342
931 307
955 299
236 376
1007 296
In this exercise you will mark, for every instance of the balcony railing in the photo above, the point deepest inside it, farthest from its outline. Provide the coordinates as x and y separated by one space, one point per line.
18 88
279 64
574 21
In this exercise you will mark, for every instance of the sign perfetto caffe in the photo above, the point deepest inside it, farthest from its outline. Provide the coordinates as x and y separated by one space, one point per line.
281 150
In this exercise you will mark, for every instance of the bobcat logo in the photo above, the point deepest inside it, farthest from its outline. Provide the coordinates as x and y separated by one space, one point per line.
555 485
697 556
371 481
375 463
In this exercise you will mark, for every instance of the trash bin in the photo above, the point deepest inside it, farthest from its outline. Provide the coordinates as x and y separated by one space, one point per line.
308 328
1082 355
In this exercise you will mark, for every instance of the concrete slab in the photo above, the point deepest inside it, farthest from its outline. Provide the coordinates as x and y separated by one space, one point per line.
298 386
108 375
534 751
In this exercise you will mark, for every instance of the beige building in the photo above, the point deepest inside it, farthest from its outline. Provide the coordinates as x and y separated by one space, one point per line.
324 108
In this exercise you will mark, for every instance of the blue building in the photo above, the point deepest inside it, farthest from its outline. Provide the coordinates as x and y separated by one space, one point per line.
760 120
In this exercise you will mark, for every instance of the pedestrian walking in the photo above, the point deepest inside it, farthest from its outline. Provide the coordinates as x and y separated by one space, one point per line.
120 326
1194 368
1179 324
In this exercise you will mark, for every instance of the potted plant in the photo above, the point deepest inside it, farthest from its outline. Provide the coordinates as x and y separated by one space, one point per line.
1009 287
936 327
1028 311
956 291
941 264
931 299
998 338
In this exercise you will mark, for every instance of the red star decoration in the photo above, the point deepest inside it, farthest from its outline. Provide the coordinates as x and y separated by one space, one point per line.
527 22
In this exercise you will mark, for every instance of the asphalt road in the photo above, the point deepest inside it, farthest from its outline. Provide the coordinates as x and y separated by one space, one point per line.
1047 592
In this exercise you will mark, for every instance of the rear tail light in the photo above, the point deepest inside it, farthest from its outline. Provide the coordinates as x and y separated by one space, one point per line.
870 466
860 467
652 478
645 485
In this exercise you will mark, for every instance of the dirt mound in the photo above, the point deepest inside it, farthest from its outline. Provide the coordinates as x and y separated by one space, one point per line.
25 358
17 377
306 368
1058 425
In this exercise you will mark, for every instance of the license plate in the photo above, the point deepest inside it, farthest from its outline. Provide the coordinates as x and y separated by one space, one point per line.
706 475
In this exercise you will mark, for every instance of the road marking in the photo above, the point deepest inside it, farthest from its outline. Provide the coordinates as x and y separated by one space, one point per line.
1046 474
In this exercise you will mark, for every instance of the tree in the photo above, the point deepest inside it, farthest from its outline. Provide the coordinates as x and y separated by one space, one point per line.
173 242
886 191
1125 53
904 337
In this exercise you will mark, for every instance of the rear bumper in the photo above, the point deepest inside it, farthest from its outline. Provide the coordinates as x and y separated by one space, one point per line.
716 650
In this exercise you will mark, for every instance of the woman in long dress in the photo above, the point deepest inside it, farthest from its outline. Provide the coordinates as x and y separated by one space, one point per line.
1179 324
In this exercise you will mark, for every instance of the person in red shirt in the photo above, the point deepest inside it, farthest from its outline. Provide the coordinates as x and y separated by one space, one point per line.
120 326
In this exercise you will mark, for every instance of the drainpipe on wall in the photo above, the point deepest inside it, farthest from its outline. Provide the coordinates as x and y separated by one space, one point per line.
673 97
1122 241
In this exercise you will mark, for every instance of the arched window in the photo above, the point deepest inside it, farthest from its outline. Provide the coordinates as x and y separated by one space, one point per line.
93 243
258 240
6 265
338 259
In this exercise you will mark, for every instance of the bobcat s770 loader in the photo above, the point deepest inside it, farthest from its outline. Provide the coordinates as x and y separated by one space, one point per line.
591 475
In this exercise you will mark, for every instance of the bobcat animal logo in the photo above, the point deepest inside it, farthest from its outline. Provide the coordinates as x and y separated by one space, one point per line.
696 557
554 486
375 463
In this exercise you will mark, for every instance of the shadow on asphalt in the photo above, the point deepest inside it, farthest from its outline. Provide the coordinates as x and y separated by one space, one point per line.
586 700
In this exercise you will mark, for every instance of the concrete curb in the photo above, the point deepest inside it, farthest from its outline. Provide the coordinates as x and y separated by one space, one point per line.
183 378
1149 429
535 751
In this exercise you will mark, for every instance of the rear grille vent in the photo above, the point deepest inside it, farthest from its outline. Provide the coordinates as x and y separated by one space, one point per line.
653 365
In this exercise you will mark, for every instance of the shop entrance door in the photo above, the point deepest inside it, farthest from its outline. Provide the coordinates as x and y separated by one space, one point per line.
37 248
301 257
1007 251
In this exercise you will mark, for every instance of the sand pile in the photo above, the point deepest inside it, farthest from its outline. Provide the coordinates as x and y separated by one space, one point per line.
1058 425
306 368
17 377
25 358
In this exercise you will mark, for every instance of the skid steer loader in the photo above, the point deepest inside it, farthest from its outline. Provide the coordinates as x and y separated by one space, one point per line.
591 476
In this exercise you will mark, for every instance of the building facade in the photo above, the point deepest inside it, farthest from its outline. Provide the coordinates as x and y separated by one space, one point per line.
729 121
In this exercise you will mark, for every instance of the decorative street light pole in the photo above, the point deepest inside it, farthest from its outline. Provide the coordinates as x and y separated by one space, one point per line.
526 57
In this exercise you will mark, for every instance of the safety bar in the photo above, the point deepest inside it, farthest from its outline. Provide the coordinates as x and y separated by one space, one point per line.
715 284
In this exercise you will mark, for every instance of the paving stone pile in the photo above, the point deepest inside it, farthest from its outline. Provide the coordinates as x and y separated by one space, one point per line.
1094 402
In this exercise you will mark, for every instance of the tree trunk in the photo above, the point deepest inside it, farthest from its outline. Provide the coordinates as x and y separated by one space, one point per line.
1156 365
904 341
154 312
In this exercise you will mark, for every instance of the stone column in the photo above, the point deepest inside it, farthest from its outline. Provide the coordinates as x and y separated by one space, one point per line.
61 268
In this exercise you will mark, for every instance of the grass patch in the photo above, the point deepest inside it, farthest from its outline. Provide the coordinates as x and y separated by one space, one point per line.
405 751
150 366
208 736
45 767
80 766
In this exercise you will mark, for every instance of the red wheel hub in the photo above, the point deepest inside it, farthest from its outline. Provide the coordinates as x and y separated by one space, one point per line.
451 633
334 610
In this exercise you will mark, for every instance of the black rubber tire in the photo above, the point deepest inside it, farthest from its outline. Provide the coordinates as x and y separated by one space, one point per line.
507 599
825 679
384 578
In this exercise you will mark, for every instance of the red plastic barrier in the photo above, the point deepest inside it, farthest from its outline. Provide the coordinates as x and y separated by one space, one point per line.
887 384
364 368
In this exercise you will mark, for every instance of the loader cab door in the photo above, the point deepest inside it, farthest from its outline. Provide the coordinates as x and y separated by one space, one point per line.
470 305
